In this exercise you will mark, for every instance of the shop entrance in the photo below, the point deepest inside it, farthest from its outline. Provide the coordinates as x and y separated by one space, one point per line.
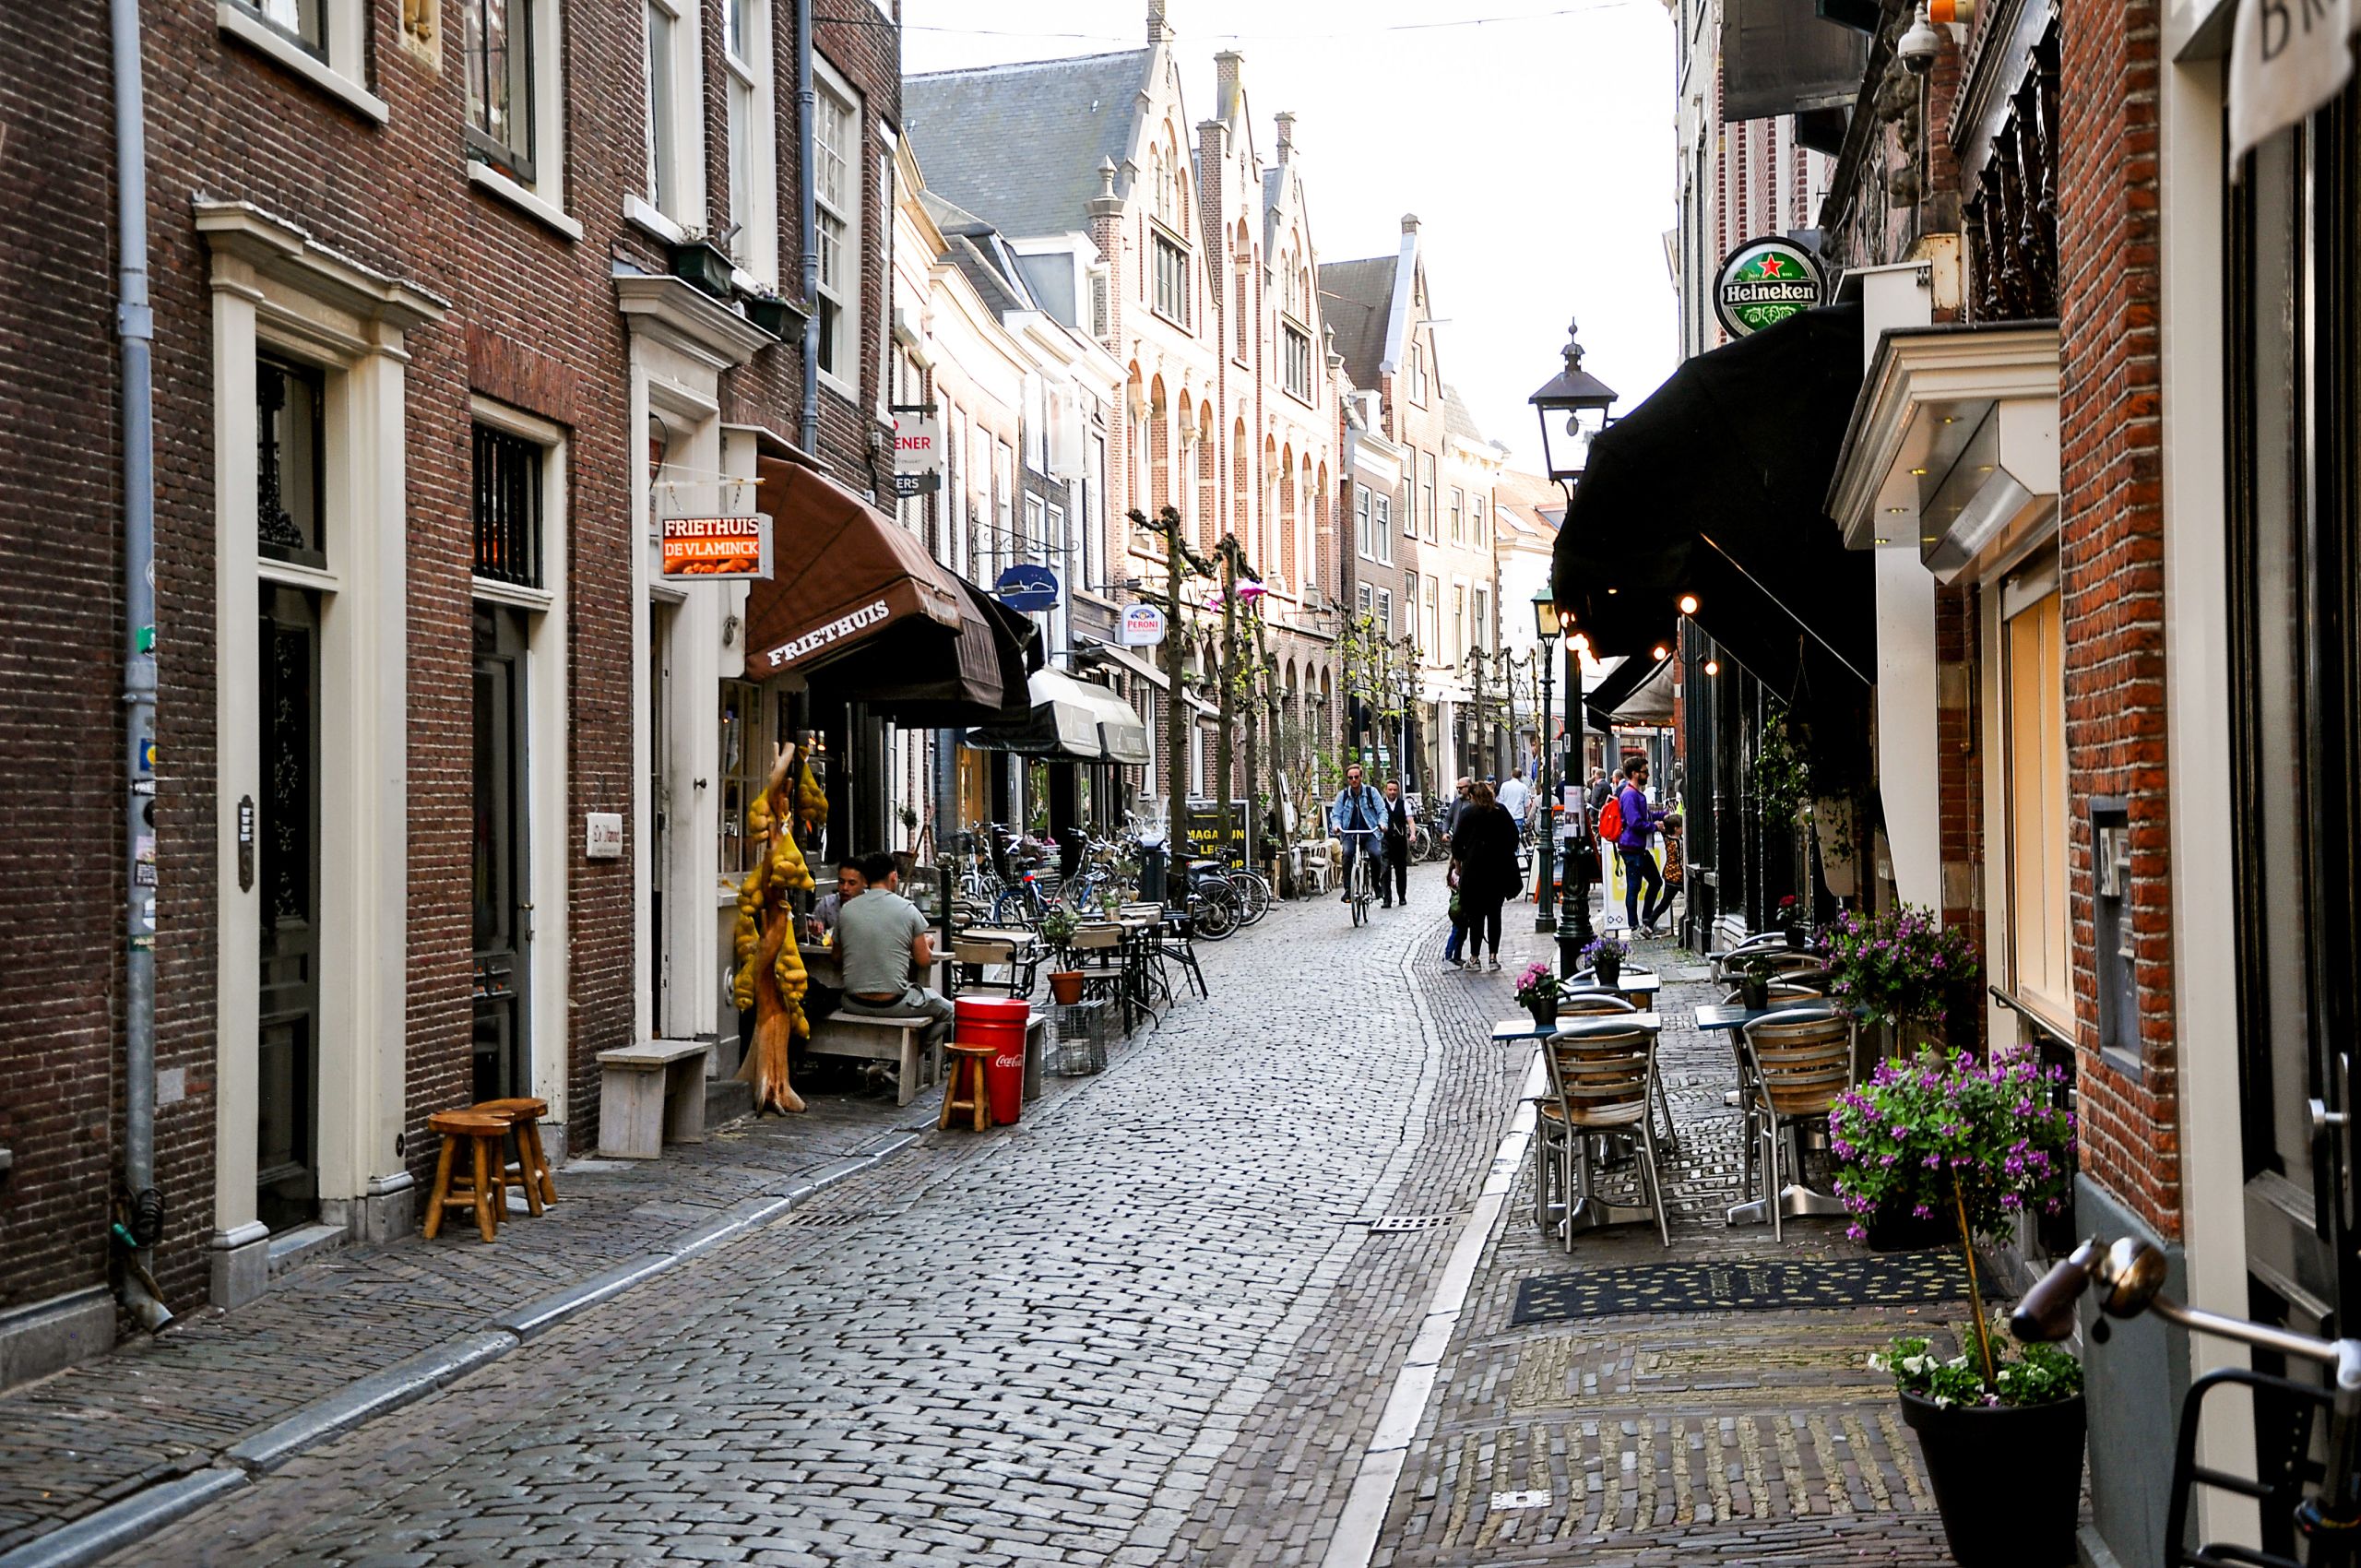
503 913
287 857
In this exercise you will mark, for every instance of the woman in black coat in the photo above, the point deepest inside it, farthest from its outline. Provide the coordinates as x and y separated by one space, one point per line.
1483 852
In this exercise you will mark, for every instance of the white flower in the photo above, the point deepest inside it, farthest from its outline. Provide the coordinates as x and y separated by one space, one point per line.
2003 1375
1915 1364
1959 1360
1877 1363
1942 1401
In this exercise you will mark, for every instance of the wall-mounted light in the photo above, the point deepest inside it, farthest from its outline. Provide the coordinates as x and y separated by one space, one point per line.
1689 604
1659 653
1713 667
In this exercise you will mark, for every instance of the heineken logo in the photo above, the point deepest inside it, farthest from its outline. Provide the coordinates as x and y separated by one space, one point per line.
1762 283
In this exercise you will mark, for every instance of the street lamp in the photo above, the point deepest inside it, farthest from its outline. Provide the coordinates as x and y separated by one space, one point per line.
1547 627
1572 405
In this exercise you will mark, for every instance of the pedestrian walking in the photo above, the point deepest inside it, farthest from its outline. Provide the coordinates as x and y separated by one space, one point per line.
1484 852
1454 809
1393 876
1516 797
1641 820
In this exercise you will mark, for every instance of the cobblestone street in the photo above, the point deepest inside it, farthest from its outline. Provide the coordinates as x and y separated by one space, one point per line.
1149 1324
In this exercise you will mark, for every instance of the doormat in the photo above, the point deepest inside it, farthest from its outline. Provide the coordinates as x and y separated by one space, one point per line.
1884 1279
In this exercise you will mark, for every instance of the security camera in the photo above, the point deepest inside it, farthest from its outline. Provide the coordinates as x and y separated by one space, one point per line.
1919 45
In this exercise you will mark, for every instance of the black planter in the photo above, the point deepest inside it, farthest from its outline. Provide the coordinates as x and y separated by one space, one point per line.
2008 1478
1607 970
777 317
701 264
1754 994
1798 937
1545 1014
1899 1230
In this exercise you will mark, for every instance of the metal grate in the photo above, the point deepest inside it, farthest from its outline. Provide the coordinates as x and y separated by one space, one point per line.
1394 1223
812 1218
509 508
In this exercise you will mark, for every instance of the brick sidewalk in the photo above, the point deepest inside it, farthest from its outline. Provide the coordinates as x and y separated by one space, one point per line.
161 1407
1707 1437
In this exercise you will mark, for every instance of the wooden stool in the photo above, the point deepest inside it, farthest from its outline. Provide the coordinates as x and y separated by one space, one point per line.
532 1170
486 1193
967 1074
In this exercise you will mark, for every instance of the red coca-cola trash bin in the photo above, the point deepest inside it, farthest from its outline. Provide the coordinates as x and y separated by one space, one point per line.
999 1022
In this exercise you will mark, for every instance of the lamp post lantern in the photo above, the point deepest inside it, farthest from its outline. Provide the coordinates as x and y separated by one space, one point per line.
1573 407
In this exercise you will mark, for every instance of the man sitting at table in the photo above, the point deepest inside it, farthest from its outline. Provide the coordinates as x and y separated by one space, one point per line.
825 913
883 948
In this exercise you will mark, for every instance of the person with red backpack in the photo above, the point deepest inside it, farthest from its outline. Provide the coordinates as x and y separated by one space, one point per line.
1629 823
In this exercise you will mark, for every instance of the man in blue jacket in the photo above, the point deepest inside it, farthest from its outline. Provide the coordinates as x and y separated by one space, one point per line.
1359 818
1640 823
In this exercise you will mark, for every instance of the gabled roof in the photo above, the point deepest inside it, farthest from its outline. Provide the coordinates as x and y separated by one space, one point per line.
1020 145
1457 420
1357 297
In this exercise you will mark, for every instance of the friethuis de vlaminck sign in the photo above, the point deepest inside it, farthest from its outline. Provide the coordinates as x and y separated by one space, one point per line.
1764 282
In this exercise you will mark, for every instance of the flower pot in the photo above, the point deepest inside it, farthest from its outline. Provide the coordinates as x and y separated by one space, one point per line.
1754 994
701 264
1545 1014
1798 937
780 318
1899 1231
1065 985
2008 1478
1607 970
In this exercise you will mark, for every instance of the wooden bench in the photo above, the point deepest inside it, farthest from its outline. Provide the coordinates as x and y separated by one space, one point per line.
871 1037
650 1095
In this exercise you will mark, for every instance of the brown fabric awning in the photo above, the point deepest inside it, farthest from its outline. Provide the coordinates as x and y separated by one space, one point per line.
846 578
842 572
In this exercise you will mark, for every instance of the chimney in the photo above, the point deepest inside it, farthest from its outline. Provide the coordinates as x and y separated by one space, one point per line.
1409 222
1159 27
1286 131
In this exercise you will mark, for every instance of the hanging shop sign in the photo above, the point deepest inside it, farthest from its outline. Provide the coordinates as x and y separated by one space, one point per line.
1764 282
918 456
704 548
1027 588
1142 627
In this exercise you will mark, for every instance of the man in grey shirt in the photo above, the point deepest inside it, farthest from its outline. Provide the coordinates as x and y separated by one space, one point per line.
883 945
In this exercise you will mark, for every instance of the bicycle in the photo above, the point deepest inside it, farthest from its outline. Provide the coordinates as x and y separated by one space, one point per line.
2131 1275
1254 894
1361 883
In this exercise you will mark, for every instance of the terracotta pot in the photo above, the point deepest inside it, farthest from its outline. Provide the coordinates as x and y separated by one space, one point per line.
1065 985
2008 1478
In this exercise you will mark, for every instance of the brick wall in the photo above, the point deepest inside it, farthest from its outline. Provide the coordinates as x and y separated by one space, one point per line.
60 634
2111 559
1960 769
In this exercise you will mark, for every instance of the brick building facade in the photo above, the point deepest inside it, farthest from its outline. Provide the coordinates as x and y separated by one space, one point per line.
417 342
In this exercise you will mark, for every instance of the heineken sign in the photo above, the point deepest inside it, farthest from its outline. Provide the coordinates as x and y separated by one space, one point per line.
1762 283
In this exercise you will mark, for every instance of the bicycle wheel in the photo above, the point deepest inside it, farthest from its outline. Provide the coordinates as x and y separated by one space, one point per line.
1216 916
1360 890
1016 906
1253 895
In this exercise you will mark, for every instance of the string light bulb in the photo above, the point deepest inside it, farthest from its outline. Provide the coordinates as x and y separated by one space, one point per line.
1689 604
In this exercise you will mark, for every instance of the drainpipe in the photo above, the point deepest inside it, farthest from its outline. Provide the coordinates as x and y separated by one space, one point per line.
807 106
135 326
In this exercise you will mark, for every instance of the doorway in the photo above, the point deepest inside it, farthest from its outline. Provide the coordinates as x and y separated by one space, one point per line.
502 908
287 857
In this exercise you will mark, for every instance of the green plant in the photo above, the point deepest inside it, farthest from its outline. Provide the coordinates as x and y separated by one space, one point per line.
1983 1142
1058 925
1537 983
1898 968
1782 774
2035 1374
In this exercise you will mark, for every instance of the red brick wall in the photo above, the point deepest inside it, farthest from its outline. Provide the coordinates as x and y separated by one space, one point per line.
2111 557
1960 768
60 634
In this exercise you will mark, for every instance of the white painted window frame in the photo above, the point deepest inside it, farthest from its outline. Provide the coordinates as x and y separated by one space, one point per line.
846 349
679 122
341 70
751 113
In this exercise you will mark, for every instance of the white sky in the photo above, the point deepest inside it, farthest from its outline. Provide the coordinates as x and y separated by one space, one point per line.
1535 146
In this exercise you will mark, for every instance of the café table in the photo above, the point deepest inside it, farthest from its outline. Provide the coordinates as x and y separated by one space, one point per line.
1634 985
1525 1028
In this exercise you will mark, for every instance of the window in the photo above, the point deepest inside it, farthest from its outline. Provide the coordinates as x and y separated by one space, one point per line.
745 768
1171 269
1479 522
1295 346
1458 515
1382 527
1483 629
507 507
291 494
661 136
498 46
1364 598
1457 648
1427 492
835 148
1411 515
1386 611
305 21
1101 323
1433 620
1362 545
1418 374
2033 684
753 174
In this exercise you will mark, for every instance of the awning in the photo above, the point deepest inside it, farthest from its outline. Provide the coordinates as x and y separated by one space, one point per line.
848 579
1784 57
1614 687
1651 702
1715 487
1069 719
1153 673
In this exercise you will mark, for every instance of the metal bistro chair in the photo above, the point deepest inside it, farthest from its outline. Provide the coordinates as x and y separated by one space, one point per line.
1729 968
1577 1003
1176 946
975 954
1798 1063
1601 1080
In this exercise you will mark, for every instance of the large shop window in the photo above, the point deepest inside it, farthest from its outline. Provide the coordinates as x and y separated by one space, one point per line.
2034 693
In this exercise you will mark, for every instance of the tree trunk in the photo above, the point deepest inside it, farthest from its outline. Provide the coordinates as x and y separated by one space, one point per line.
1176 745
1225 693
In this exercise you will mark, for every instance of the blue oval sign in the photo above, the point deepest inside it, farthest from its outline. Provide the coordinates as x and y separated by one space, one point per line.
1027 588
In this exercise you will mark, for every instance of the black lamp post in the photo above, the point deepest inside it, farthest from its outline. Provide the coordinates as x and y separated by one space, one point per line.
1546 626
1572 406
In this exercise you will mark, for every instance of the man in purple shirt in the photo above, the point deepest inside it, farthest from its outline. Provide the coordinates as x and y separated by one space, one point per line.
1640 823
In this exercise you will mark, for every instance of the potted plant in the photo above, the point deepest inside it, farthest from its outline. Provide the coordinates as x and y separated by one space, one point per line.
1977 1143
783 319
1791 920
1605 959
1058 925
696 260
1899 969
1754 984
1537 992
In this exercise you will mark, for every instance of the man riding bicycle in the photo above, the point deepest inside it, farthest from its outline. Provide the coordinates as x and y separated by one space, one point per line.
1358 819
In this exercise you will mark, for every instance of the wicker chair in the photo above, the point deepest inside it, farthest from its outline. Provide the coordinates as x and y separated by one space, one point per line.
1798 1063
1601 1080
